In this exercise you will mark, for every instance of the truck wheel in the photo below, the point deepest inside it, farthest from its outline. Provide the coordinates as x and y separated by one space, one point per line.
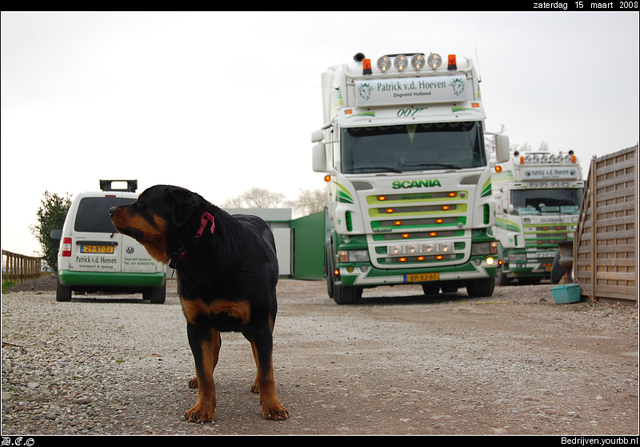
347 295
157 295
557 271
502 279
63 293
430 288
481 287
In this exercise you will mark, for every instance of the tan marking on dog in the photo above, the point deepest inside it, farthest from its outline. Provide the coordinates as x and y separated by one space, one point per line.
238 309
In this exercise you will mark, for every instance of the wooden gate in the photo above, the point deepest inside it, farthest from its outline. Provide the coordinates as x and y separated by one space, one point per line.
606 245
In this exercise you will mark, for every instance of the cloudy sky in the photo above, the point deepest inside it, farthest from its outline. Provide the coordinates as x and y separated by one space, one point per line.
220 102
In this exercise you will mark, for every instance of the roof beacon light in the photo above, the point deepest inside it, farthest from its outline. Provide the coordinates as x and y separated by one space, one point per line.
366 66
452 62
418 61
401 62
434 60
384 64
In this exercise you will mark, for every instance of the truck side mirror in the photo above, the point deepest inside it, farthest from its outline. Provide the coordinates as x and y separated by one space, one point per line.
319 158
317 135
502 148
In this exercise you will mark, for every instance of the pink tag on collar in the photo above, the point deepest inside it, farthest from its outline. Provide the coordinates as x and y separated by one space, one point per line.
203 223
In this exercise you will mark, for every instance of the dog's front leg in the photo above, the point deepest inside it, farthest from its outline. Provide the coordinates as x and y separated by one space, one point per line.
205 346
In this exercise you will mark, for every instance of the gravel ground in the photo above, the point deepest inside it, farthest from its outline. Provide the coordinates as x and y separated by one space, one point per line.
397 363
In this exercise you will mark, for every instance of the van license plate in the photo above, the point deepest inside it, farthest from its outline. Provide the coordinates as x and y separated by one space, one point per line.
420 277
96 249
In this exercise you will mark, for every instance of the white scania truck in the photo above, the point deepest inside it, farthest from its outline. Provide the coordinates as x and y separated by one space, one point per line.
408 177
538 197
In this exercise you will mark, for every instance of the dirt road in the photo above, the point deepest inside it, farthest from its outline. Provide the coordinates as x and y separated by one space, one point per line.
396 363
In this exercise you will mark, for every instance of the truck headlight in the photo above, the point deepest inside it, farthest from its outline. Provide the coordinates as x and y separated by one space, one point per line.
485 248
353 256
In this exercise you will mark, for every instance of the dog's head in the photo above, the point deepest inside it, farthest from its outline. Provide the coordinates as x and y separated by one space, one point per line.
156 218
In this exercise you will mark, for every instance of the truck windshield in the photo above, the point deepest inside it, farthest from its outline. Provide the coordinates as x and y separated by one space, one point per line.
547 201
412 147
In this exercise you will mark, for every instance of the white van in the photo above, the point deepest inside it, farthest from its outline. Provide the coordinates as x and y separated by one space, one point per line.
94 257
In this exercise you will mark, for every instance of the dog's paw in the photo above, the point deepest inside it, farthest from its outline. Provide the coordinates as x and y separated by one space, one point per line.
275 412
200 413
193 383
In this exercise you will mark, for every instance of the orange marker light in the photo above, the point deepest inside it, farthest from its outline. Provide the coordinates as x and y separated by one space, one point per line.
366 66
398 222
439 257
453 194
382 198
389 210
420 258
451 62
327 178
498 168
439 221
445 207
433 234
402 259
405 236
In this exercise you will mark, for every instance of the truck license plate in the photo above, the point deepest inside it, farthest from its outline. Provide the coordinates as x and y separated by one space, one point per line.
420 277
96 249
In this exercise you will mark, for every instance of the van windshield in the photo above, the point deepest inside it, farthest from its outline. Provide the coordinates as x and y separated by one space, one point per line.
412 147
93 214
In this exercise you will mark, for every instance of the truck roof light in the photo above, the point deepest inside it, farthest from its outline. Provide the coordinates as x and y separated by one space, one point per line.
418 61
434 60
401 62
573 159
451 61
384 63
366 66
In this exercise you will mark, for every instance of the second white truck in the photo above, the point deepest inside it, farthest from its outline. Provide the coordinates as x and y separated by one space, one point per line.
538 196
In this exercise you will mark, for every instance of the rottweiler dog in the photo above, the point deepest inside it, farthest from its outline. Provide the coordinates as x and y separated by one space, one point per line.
227 273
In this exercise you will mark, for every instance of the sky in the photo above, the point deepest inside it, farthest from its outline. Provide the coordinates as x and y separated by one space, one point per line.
219 102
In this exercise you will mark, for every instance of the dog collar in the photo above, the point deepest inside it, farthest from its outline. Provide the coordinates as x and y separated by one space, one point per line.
206 217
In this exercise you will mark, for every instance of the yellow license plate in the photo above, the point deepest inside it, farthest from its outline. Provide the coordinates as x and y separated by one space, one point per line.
96 249
421 277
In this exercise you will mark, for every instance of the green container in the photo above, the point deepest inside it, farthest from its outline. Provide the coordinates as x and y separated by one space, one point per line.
566 294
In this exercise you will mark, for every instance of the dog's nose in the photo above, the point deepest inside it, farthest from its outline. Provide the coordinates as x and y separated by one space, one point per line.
112 210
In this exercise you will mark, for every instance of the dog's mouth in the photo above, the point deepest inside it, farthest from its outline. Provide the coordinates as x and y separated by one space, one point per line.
132 232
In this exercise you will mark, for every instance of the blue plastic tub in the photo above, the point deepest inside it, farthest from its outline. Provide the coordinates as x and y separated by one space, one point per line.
569 293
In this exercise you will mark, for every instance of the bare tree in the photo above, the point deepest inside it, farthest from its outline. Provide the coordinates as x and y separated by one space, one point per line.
256 198
309 201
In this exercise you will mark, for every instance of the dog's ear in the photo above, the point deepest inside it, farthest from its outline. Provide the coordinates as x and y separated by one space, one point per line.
184 204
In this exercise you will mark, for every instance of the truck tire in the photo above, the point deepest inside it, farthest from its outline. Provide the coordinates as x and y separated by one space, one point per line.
481 287
63 293
347 295
557 271
430 288
157 295
502 279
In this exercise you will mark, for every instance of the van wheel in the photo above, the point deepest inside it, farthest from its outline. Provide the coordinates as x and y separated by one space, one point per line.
63 293
156 295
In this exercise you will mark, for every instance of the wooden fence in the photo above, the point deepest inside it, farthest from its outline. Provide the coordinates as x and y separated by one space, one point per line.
606 244
18 267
